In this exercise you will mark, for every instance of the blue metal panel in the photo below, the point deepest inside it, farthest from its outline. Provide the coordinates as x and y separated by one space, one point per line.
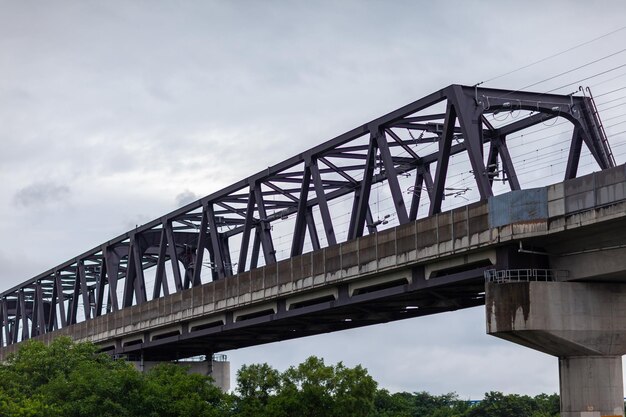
518 206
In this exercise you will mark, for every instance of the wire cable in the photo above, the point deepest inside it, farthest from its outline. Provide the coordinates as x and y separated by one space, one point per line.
554 55
609 92
586 78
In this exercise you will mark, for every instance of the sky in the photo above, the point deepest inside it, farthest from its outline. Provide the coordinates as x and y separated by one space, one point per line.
115 113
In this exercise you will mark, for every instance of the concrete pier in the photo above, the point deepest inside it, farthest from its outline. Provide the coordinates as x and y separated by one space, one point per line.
218 368
583 324
588 382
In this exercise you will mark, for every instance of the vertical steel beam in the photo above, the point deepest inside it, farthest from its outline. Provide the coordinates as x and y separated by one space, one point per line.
416 195
362 194
34 314
23 315
201 245
134 284
369 221
228 262
256 247
428 179
129 281
16 321
84 289
5 321
392 176
492 161
160 278
574 154
173 254
2 322
443 159
218 250
92 301
52 324
423 179
39 322
212 257
101 281
310 224
322 204
507 164
265 234
112 261
189 273
300 226
139 283
471 125
60 299
74 299
247 230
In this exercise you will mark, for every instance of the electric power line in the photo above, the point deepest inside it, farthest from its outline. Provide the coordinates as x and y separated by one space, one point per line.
554 55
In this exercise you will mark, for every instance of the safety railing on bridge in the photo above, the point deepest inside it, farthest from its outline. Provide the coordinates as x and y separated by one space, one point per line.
525 275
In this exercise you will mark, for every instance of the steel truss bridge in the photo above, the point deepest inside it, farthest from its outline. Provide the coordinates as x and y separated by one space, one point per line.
229 233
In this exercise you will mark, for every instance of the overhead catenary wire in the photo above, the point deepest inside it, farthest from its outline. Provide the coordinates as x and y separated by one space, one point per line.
586 78
554 55
595 61
610 92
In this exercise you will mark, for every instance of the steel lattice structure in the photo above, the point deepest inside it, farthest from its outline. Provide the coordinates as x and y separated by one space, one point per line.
113 276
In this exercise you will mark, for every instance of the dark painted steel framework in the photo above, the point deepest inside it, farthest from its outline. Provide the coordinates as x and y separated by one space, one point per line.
112 276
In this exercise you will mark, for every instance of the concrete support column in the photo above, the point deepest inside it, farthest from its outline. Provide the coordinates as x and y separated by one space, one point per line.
583 324
591 386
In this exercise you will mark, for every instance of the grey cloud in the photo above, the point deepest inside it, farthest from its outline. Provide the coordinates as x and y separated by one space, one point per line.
186 197
41 193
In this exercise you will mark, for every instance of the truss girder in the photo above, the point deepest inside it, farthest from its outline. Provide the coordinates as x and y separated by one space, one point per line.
242 216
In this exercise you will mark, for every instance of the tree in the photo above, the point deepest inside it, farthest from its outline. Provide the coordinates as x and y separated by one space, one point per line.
310 389
496 404
419 404
169 391
74 380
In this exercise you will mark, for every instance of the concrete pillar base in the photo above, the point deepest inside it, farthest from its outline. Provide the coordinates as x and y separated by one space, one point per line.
591 386
583 324
218 370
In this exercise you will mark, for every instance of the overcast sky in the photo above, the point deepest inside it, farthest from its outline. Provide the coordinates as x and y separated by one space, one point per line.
114 113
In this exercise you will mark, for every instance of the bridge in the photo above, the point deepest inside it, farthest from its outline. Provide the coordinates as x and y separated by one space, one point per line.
214 275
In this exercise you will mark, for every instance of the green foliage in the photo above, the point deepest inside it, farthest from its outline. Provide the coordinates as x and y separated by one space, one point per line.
497 404
404 404
170 391
310 389
74 380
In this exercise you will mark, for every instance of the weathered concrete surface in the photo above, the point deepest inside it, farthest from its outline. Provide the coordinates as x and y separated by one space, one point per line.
584 324
559 318
591 386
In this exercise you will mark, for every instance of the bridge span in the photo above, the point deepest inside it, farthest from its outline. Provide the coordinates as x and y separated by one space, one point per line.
230 286
566 231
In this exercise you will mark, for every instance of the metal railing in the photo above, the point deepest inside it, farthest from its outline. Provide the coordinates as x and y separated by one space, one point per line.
525 275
